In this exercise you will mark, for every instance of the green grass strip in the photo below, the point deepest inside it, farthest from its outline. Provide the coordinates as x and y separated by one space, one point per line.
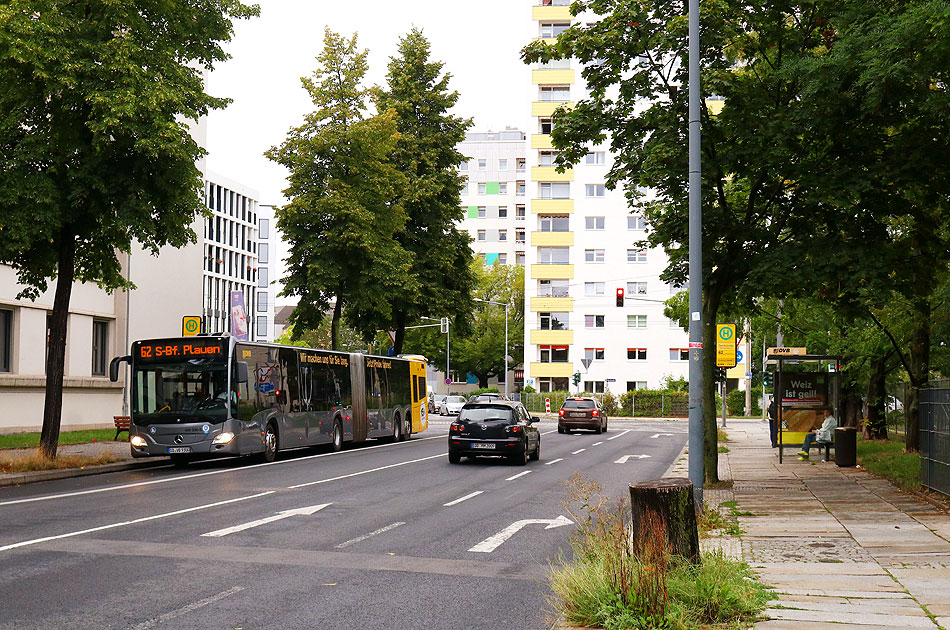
32 440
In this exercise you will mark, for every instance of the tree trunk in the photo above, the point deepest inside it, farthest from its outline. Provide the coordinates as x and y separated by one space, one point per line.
482 381
876 428
400 322
56 344
710 429
335 322
665 509
919 350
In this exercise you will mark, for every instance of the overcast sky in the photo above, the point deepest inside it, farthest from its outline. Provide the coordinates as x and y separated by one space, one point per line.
479 42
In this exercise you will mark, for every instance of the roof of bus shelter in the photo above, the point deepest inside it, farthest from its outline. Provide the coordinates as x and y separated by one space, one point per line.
775 359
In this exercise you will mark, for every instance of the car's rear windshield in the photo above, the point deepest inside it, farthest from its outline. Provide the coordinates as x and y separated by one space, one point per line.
578 404
484 413
455 399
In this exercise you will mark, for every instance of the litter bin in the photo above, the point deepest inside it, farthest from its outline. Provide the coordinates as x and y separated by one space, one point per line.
846 446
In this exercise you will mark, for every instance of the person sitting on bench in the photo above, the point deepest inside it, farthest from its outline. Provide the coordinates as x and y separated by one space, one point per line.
822 434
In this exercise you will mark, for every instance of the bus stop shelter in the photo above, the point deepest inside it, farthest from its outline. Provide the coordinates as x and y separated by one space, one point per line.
804 385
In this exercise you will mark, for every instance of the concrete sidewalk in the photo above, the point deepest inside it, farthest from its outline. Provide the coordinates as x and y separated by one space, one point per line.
842 548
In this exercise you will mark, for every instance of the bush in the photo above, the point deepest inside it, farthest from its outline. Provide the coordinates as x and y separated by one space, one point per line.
610 404
527 389
735 402
484 390
655 403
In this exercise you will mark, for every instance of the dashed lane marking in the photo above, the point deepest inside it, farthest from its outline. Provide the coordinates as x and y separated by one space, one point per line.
554 461
521 474
381 530
460 499
580 450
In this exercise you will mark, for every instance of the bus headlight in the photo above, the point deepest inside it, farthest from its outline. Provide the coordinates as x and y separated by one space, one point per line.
223 438
138 441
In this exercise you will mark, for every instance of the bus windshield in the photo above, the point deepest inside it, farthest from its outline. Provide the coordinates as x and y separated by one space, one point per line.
169 392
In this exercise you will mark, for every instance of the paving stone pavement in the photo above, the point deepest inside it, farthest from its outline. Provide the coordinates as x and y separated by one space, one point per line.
841 548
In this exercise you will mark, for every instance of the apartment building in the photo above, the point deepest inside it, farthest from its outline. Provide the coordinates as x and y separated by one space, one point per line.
494 197
582 250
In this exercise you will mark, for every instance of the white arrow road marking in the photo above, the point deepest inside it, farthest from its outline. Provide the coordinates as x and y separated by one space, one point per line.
493 542
460 499
304 511
369 535
521 474
656 435
619 435
623 460
554 461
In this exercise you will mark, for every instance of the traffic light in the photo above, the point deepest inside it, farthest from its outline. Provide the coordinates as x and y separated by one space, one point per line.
620 297
720 375
577 378
767 378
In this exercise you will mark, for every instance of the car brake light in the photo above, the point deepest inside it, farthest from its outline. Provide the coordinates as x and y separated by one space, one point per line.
594 413
514 429
561 412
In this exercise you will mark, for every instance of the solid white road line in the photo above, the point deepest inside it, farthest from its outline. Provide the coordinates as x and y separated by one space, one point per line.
187 609
619 435
304 511
580 450
132 522
596 443
554 461
369 535
205 474
460 499
521 474
364 472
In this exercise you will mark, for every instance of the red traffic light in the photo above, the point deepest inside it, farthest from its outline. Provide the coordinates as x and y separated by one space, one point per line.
619 297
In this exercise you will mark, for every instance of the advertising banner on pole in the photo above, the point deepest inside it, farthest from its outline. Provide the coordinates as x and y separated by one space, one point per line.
238 316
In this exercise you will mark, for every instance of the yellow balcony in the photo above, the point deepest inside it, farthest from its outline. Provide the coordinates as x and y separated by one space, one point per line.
541 141
546 108
550 41
552 337
563 76
559 14
550 174
552 272
552 239
552 205
714 107
539 370
554 304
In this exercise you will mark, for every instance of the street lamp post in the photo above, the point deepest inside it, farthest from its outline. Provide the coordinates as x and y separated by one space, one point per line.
505 304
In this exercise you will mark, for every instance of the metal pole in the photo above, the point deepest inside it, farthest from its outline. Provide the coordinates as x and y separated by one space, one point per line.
696 473
748 368
448 331
506 350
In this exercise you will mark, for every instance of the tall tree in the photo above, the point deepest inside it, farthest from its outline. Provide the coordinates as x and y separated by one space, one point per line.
342 221
95 150
418 91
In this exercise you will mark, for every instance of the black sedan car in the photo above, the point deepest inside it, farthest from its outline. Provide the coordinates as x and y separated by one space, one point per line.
581 413
499 427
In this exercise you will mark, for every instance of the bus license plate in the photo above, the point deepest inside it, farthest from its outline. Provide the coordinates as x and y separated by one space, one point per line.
179 449
487 445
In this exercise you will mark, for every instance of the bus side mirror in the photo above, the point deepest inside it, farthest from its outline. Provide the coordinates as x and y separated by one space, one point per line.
241 372
114 366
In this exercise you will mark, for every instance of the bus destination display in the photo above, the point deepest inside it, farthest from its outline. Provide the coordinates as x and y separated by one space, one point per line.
173 349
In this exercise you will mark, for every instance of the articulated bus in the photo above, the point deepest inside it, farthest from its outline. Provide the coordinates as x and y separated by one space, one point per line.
213 395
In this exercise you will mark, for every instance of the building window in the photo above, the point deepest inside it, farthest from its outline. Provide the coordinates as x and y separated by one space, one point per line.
263 254
636 222
555 256
545 125
679 354
594 387
595 157
482 164
502 212
674 289
554 223
635 385
502 164
263 228
463 166
553 354
480 212
262 279
555 93
594 255
554 288
594 354
594 190
593 321
481 235
636 288
555 321
502 188
502 259
6 340
593 288
482 187
555 190
520 209
553 29
636 321
637 354
547 158
520 163
519 235
636 255
594 223
464 190
502 235
519 258
262 326
520 189
262 305
555 384
100 347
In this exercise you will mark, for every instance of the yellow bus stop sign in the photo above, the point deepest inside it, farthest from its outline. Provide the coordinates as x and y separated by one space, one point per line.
725 345
190 325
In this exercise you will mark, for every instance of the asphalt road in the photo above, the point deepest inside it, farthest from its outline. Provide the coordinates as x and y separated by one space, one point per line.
376 536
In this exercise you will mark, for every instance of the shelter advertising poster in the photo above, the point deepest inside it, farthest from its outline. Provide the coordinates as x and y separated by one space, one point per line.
804 394
238 316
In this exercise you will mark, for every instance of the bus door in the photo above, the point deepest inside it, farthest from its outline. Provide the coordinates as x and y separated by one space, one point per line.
420 416
357 431
293 425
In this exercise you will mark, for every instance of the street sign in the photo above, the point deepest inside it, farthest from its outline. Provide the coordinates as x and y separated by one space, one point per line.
725 345
611 380
448 381
586 362
392 336
190 325
738 356
787 351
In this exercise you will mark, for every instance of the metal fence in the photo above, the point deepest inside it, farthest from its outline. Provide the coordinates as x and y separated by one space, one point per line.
935 439
535 401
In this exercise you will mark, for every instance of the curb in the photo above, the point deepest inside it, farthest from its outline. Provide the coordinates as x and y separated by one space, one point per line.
17 479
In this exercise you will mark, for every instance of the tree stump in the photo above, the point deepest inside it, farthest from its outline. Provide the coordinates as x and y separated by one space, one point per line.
665 508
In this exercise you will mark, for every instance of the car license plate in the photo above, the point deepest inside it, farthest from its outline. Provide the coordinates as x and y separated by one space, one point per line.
578 414
179 449
487 445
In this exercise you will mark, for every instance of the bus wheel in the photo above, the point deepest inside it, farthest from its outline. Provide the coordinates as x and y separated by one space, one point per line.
337 436
270 443
397 429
